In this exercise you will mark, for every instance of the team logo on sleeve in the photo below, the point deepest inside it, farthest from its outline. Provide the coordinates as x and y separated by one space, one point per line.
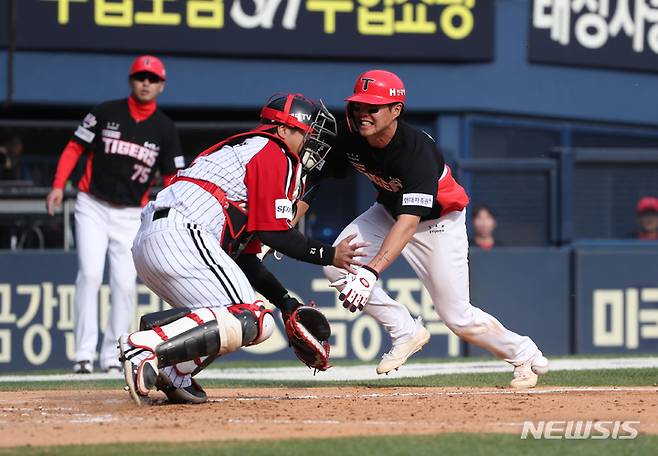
417 199
89 121
283 209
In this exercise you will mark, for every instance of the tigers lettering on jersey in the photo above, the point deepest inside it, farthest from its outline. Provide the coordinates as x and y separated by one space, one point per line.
392 185
147 155
125 153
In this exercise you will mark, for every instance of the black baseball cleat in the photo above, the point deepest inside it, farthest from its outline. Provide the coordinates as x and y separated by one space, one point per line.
83 367
192 394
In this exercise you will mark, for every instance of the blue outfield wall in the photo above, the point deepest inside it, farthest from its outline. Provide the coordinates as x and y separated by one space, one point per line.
528 291
616 299
616 291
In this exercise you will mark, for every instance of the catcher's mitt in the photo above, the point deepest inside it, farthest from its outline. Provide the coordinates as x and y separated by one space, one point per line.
308 333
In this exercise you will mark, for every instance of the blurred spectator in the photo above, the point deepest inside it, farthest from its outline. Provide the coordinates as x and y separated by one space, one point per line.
484 224
647 212
11 149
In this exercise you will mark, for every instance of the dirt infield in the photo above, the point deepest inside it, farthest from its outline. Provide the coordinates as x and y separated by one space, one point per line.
83 417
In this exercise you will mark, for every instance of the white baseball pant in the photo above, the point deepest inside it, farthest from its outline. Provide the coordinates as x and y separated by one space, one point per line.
184 264
438 254
103 229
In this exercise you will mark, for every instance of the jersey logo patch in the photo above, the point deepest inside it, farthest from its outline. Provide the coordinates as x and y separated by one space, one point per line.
84 134
283 209
89 121
417 199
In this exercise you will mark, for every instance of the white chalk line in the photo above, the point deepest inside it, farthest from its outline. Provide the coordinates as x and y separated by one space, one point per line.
363 372
497 392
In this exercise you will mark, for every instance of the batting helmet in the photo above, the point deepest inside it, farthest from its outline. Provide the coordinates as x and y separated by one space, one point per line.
310 116
378 87
149 64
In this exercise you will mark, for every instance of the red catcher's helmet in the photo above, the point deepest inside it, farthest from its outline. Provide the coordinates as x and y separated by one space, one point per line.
149 64
378 87
310 116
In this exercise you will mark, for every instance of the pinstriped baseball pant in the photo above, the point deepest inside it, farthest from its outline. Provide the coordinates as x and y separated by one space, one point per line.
184 264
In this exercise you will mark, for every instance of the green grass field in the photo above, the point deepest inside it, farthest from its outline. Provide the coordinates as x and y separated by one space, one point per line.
439 444
612 377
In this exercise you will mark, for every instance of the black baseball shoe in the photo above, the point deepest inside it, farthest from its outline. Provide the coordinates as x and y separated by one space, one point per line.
83 367
192 394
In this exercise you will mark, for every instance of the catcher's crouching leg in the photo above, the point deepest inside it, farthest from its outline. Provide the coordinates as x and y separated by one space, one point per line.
188 340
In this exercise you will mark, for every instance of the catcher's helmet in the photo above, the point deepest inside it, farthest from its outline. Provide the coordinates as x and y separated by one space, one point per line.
310 116
378 87
149 64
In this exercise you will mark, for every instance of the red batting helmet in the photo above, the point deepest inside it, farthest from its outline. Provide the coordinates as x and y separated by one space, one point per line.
149 64
378 87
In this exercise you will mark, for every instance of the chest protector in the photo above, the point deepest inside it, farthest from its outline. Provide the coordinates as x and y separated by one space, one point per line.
234 236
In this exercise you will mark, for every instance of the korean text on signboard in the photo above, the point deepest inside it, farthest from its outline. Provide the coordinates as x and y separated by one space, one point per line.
604 33
460 30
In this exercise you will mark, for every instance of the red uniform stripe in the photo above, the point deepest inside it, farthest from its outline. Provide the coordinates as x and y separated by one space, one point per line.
196 318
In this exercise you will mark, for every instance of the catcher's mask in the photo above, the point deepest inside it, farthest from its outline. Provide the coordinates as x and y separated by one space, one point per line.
375 87
310 116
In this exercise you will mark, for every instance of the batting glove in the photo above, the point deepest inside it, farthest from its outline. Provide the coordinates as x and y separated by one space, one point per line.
357 288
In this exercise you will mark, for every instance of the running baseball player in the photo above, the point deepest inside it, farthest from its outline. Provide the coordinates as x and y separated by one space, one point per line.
419 213
125 141
201 235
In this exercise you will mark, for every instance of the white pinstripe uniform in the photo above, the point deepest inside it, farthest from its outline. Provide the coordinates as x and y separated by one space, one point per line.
179 256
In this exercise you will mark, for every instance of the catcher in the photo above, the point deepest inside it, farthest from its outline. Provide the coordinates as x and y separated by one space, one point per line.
197 245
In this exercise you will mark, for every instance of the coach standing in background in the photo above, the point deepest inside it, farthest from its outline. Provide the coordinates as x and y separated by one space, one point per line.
126 141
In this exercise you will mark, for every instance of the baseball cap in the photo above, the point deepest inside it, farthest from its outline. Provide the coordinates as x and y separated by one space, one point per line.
149 64
647 204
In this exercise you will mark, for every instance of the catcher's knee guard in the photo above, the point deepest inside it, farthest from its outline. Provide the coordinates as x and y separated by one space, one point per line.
257 322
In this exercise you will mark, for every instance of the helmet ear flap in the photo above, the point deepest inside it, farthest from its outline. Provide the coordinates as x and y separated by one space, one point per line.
351 123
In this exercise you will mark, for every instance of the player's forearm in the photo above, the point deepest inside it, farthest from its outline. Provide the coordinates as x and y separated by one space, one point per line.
295 245
397 238
302 208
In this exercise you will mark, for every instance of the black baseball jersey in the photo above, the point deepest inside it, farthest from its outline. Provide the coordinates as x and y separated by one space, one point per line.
125 153
405 173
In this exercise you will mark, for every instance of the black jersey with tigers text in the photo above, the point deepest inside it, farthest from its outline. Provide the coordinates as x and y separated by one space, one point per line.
405 172
125 153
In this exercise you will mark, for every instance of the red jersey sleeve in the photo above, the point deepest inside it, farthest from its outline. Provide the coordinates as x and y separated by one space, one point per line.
70 156
270 179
